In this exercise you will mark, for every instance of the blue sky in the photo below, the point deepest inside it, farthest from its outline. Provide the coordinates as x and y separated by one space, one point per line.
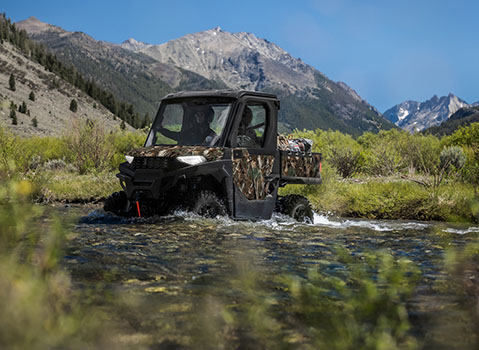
388 51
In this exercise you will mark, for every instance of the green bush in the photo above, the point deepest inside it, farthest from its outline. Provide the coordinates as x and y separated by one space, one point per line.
122 143
384 153
88 146
339 150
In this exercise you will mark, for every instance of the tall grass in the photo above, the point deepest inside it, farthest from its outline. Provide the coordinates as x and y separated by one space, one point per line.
80 166
39 308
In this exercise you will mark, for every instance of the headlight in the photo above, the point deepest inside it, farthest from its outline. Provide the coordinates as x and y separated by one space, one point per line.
192 160
129 159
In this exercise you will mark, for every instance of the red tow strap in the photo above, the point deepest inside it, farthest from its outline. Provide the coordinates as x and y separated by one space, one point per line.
138 208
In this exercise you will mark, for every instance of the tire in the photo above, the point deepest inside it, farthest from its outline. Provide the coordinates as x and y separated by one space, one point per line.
208 204
297 207
116 203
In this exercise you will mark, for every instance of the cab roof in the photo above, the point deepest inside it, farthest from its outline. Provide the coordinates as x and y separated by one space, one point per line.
219 93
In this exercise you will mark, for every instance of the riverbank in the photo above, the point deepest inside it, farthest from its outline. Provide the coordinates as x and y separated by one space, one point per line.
392 198
71 187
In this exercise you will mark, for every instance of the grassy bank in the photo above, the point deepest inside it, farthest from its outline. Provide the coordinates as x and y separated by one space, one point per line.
391 197
63 186
396 175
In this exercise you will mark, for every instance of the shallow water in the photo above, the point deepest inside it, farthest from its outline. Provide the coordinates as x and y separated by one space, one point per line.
173 259
184 246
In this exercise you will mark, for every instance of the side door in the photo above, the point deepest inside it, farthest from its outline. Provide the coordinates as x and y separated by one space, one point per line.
254 159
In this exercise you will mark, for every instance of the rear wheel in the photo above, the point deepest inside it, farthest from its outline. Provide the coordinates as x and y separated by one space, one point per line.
297 207
208 204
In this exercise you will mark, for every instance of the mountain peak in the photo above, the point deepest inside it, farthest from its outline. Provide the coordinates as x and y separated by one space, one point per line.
133 44
34 26
415 116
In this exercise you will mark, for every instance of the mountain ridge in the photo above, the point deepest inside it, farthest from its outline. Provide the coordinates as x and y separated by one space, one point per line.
415 116
142 73
463 117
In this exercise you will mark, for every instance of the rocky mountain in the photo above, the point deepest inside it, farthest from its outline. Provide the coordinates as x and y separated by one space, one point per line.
46 96
133 45
463 117
130 76
415 116
244 61
142 73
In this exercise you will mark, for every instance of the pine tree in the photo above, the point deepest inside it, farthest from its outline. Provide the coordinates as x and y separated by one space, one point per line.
122 125
11 82
31 96
13 115
146 121
34 122
23 108
74 106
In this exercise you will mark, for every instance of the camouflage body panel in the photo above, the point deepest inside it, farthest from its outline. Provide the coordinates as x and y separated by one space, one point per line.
300 165
283 143
210 153
250 172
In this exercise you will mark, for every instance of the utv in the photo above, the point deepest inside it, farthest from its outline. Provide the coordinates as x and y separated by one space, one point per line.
216 153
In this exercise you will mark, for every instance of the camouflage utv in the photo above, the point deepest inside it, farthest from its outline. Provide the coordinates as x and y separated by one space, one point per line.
216 153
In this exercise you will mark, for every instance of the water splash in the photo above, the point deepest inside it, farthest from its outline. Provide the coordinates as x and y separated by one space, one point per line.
463 231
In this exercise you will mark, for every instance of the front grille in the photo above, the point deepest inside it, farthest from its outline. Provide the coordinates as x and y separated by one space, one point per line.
154 163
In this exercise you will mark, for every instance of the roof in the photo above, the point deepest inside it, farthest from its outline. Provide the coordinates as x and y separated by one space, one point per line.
219 93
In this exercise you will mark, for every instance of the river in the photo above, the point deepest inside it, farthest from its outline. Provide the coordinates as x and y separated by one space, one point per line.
170 264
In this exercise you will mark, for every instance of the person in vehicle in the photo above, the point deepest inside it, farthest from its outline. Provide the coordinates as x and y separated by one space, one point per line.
197 132
246 134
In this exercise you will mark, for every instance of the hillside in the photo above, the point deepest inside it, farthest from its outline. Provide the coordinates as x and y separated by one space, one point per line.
130 76
463 117
51 107
142 73
416 116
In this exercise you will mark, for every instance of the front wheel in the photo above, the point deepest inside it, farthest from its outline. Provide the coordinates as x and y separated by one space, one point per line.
208 204
297 207
117 203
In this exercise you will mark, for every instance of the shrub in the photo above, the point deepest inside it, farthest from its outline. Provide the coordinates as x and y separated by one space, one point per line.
468 138
384 152
123 142
8 154
339 150
452 159
11 82
88 146
73 105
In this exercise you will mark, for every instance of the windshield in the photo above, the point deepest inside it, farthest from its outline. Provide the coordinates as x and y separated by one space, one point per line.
193 122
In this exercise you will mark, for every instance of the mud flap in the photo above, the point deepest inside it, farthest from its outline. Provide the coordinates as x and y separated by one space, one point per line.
246 209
